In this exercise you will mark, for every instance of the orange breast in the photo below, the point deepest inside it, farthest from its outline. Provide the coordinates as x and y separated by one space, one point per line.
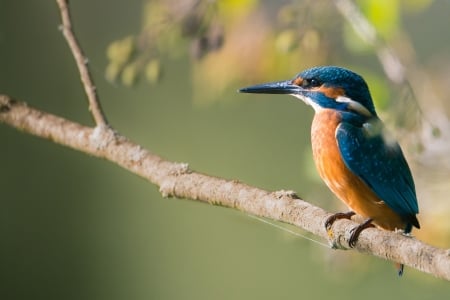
342 182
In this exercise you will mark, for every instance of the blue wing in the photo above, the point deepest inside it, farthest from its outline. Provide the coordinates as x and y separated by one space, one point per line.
380 164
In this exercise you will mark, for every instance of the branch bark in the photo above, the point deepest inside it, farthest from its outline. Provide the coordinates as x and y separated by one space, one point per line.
177 180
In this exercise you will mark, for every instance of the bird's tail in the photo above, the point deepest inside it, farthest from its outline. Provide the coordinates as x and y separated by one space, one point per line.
399 268
407 230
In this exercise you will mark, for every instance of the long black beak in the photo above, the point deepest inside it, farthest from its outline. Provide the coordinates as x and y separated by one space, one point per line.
279 87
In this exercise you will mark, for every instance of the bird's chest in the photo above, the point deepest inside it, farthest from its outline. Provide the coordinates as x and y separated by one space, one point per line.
326 153
323 136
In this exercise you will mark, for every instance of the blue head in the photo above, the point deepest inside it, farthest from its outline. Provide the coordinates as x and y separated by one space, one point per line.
324 87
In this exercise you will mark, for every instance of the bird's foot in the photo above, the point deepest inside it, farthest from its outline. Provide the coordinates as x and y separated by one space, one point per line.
329 222
354 233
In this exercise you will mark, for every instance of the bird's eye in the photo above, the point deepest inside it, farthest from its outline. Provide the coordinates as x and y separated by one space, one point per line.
310 83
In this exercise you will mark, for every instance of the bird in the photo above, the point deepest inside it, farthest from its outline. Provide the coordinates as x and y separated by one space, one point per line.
356 157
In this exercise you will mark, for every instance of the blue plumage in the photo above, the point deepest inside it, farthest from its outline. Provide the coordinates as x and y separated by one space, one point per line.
382 166
353 84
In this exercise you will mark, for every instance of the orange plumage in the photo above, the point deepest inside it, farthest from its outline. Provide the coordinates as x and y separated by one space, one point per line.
348 187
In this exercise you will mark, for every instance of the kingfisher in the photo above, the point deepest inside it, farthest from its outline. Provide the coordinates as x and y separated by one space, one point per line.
359 161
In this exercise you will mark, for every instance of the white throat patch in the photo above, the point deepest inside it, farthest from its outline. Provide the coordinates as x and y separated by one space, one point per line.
308 101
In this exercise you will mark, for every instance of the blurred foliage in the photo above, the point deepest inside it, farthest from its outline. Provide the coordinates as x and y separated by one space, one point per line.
384 15
256 41
167 27
249 41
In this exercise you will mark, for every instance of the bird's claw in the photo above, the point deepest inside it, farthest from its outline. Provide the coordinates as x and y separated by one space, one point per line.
356 231
341 215
354 234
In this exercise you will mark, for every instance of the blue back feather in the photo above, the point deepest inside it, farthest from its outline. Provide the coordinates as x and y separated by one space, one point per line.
381 166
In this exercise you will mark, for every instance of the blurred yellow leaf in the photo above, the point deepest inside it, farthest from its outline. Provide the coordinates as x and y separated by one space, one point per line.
120 51
383 14
235 9
153 71
286 40
112 71
129 75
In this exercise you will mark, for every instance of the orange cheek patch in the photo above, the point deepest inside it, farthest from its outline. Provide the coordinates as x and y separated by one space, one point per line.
298 81
330 92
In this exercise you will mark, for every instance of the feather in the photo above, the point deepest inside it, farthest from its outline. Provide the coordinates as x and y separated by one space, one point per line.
380 163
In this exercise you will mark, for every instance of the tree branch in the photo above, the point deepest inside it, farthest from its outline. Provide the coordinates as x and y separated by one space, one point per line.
81 60
177 180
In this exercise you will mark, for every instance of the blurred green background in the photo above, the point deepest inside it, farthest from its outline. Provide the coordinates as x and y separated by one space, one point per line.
76 227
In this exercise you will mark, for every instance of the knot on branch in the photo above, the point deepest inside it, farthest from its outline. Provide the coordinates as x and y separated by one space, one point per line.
285 193
6 103
174 171
102 136
178 169
137 154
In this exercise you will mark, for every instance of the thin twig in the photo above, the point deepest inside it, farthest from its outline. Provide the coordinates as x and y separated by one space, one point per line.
81 61
177 180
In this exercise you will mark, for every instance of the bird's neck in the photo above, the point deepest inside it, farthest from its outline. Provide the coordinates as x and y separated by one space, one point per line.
323 129
325 123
